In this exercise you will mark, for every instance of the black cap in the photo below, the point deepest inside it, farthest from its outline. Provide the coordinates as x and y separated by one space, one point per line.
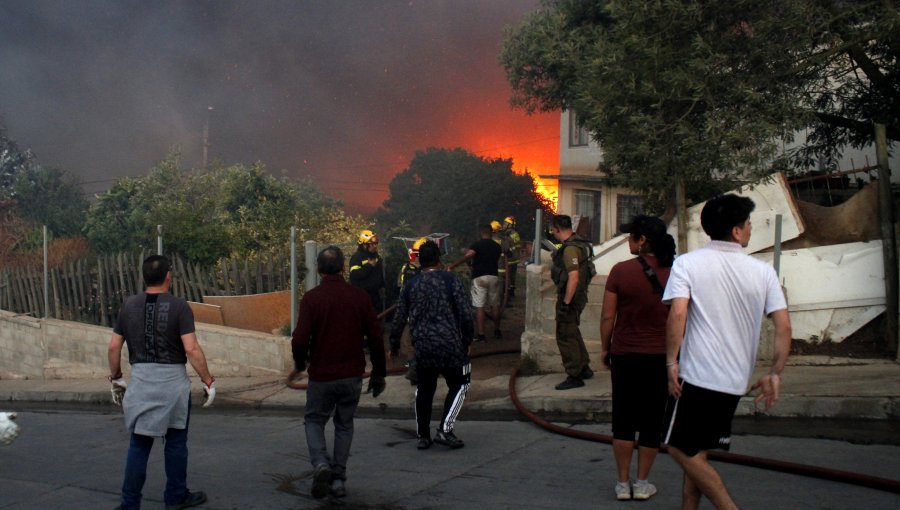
643 225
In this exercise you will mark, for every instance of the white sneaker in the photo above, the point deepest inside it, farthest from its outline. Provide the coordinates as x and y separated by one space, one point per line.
643 490
623 491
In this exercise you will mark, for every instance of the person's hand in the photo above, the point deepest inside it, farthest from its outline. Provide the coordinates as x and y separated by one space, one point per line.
604 357
562 308
376 386
769 386
8 428
674 383
117 390
209 392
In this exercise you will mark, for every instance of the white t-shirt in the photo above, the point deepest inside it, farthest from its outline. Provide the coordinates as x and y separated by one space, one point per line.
729 293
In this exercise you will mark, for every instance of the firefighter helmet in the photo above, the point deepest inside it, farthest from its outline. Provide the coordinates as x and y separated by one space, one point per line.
510 220
414 251
496 226
367 237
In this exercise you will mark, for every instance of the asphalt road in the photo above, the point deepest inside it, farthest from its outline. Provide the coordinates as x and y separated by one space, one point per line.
74 460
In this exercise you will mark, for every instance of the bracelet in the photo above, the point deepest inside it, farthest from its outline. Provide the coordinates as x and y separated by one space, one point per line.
671 363
110 377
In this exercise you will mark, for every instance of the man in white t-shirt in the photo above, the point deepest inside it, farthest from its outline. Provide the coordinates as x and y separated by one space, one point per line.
718 298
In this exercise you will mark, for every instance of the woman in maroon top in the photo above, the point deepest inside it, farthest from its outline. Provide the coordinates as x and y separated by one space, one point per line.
633 340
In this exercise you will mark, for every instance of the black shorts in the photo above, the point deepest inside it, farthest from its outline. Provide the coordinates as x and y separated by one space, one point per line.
640 388
700 419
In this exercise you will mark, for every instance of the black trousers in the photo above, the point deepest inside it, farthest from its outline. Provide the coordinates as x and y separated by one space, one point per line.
458 379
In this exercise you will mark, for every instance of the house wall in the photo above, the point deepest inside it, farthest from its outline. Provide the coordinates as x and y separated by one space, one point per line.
53 349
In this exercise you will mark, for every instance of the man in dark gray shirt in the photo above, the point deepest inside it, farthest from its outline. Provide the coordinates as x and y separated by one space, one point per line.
159 331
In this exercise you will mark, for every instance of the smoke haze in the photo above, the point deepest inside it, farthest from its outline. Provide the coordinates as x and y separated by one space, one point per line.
344 92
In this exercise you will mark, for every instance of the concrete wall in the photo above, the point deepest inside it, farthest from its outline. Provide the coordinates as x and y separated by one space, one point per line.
539 338
53 349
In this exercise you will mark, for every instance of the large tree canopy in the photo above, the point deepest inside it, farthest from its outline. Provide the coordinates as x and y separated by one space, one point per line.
455 191
213 213
704 91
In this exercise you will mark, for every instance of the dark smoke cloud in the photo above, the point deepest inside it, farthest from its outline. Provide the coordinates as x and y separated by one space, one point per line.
343 91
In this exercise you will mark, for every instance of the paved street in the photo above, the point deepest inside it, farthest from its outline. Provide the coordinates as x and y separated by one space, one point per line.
74 460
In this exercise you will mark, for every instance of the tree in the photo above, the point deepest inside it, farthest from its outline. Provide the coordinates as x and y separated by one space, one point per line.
848 73
455 191
51 197
214 212
13 162
675 92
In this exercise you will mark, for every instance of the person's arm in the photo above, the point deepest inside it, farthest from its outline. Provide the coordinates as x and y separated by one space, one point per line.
571 287
770 384
376 343
607 324
674 337
361 268
195 356
114 356
470 254
300 338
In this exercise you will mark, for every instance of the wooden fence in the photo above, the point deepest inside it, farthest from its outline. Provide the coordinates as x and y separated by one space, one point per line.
92 289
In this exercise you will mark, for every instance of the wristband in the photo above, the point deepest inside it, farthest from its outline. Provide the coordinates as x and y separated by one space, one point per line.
110 377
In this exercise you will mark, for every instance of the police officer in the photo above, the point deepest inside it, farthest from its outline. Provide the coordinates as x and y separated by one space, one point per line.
571 272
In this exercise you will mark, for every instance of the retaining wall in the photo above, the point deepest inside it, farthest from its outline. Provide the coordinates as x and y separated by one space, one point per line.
54 349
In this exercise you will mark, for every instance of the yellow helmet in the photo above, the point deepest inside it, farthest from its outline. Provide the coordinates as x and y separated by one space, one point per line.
367 237
414 251
510 220
496 226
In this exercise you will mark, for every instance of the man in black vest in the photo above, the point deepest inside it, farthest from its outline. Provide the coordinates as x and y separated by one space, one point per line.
571 274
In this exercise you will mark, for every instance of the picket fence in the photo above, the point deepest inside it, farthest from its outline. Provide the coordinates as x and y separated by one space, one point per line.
92 289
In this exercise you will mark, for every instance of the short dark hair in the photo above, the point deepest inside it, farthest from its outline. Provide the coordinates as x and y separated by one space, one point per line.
330 260
485 231
562 222
155 269
723 213
429 254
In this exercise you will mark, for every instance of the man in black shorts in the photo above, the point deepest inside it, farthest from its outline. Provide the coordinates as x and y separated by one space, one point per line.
718 296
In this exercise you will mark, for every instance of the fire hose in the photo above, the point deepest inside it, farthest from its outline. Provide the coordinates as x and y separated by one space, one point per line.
833 475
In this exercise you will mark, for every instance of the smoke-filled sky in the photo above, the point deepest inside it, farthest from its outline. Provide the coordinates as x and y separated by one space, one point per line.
343 91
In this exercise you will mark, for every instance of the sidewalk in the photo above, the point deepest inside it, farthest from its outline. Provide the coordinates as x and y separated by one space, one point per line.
812 387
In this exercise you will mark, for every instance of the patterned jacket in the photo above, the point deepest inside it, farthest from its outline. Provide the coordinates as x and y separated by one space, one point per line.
436 306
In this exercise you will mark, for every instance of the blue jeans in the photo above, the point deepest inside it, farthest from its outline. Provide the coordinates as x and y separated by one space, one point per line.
324 398
176 456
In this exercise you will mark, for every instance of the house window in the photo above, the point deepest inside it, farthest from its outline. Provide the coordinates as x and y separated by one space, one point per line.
627 207
578 135
587 207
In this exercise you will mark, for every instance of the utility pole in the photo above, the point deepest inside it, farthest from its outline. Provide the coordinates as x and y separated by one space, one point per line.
209 110
888 240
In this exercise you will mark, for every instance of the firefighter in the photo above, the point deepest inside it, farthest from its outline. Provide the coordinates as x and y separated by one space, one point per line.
409 270
514 242
502 274
367 270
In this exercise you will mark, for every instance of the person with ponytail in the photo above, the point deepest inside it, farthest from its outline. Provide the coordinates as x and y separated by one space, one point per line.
633 347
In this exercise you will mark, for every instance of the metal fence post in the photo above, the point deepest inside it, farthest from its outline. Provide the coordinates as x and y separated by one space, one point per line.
312 276
538 236
293 276
159 246
46 278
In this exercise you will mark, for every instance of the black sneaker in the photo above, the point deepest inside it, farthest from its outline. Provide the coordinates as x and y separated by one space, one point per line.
586 373
321 481
569 383
337 488
424 443
190 499
448 439
498 334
